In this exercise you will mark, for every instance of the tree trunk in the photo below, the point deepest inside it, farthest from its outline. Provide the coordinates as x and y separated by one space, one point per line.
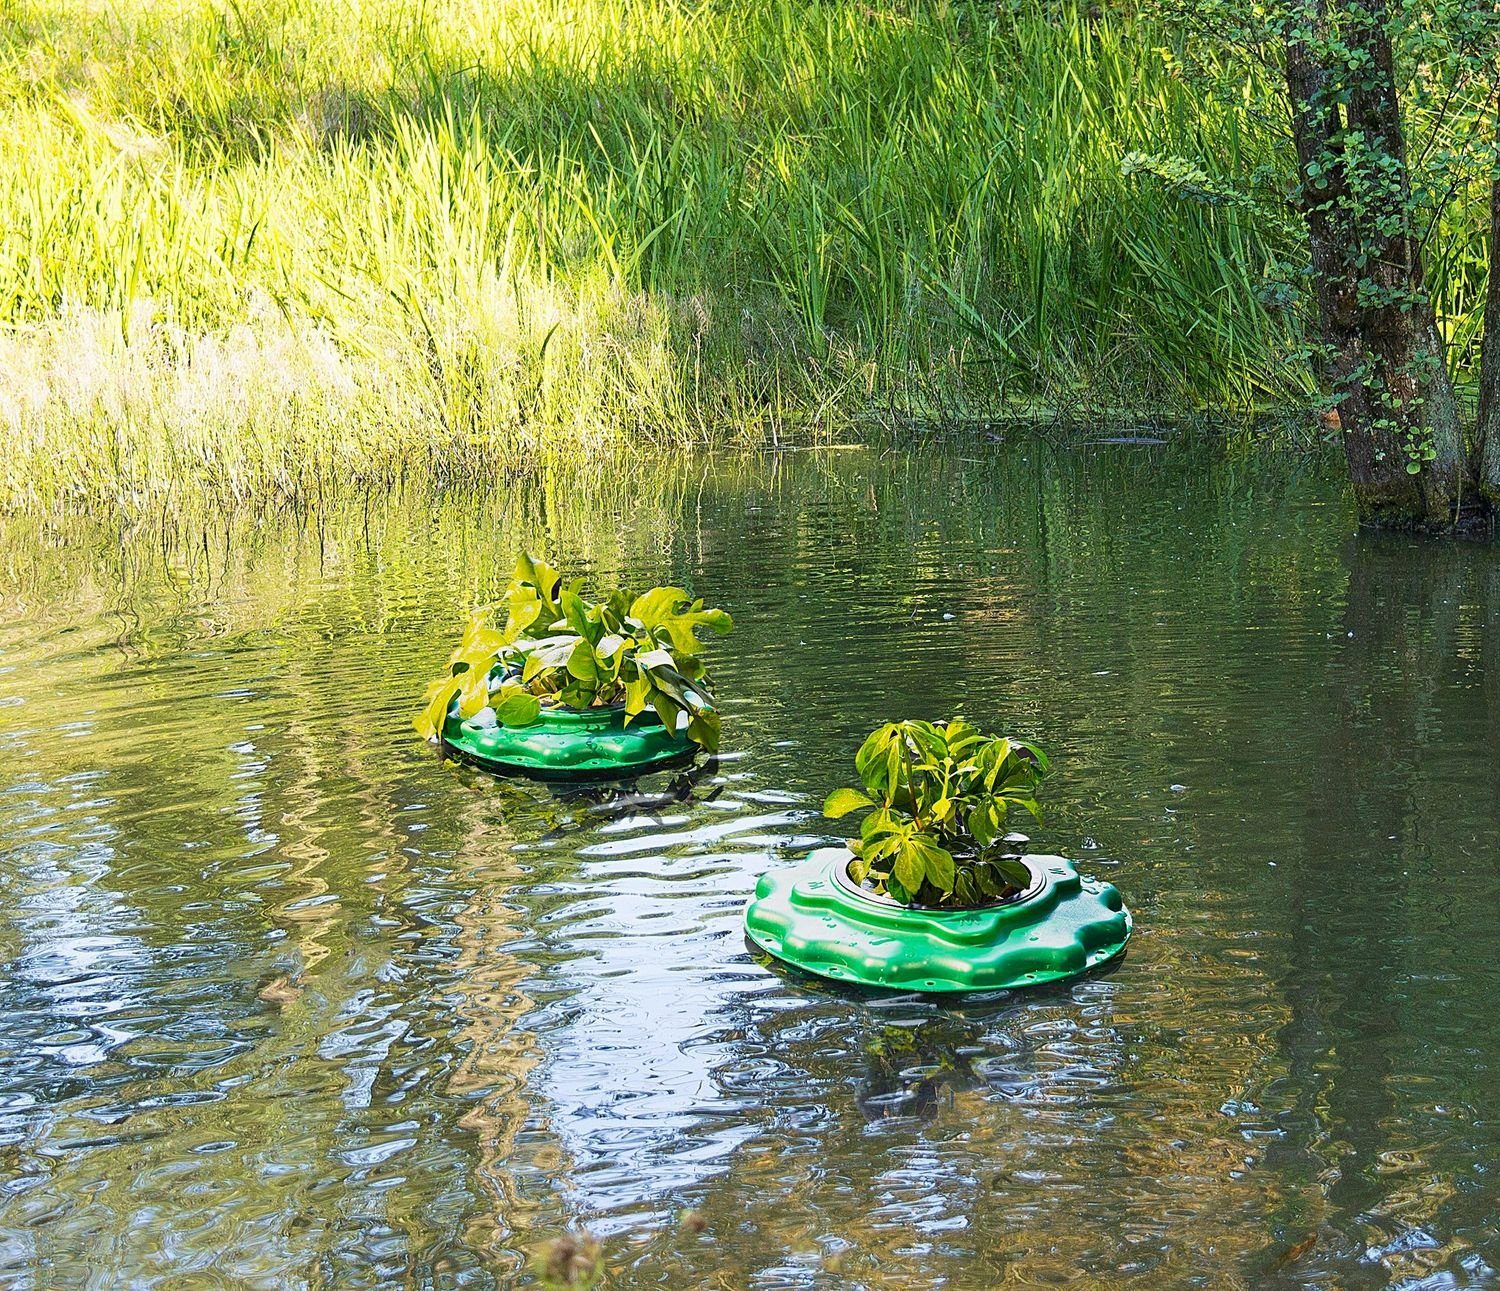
1487 432
1402 438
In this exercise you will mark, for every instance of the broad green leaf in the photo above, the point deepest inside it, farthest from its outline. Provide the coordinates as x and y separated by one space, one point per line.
615 608
439 699
524 608
682 628
984 823
965 889
704 730
925 741
909 870
1014 872
575 615
993 759
938 865
546 580
841 802
653 608
582 664
577 694
637 694
518 708
1039 759
992 881
473 691
677 688
666 710
870 761
480 643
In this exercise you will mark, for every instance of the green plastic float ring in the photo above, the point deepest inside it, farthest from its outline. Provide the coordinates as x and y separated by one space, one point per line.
569 744
814 917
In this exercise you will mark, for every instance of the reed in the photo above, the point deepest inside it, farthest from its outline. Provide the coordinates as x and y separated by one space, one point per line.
276 246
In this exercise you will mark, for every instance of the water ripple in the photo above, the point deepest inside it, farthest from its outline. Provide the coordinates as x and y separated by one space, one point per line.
286 1001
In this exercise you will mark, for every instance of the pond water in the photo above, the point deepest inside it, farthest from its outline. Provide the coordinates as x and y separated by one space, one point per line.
288 1002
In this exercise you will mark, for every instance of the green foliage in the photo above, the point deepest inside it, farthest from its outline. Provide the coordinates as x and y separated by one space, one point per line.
937 798
1186 179
556 647
273 246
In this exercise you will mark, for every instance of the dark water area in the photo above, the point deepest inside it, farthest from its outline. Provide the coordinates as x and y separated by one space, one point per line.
286 1001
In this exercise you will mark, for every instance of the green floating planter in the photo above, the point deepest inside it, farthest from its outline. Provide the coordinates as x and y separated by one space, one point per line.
814 917
569 744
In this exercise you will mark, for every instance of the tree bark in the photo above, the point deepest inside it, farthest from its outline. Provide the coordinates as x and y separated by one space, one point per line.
1487 431
1385 355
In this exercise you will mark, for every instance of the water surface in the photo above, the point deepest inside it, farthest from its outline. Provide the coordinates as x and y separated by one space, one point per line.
287 1002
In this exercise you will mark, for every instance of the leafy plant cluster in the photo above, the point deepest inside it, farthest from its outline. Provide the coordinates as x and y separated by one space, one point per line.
559 649
937 797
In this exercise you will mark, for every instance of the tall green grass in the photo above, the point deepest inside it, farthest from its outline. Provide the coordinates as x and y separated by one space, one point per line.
272 246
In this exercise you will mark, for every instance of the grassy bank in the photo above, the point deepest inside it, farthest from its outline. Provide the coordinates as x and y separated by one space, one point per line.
276 245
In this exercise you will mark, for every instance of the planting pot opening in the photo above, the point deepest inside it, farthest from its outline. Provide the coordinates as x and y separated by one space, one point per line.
1037 882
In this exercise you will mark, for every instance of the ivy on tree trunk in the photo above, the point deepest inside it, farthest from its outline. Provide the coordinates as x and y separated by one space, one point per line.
1354 76
1399 420
1487 431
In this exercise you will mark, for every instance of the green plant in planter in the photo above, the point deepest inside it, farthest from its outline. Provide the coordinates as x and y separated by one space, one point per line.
937 798
560 649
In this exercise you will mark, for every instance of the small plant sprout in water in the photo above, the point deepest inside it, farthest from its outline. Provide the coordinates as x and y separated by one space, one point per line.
936 798
573 1262
558 649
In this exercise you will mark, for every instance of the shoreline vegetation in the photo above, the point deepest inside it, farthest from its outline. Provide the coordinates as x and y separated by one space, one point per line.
277 249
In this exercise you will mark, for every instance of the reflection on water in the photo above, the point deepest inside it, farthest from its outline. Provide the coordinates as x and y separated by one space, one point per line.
287 1001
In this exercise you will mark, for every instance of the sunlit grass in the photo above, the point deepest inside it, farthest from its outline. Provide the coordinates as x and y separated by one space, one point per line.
279 246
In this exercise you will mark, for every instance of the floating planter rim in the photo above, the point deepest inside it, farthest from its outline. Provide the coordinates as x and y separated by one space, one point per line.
813 917
570 744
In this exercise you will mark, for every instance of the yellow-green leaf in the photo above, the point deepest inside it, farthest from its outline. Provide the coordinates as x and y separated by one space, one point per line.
908 869
518 708
637 692
651 609
841 802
